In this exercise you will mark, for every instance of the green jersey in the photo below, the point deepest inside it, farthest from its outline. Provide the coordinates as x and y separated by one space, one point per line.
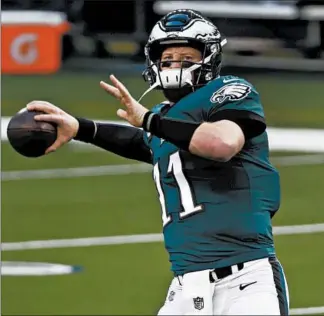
216 214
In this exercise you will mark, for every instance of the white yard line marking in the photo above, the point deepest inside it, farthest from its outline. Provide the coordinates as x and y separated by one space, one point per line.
307 310
298 229
133 168
134 239
82 242
75 172
298 160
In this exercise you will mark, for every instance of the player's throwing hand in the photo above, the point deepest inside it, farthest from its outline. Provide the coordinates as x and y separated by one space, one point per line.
134 112
67 125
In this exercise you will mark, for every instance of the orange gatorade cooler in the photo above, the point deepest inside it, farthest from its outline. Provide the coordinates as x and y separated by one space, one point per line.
31 41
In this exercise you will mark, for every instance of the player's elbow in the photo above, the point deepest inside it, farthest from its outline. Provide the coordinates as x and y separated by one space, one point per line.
214 148
218 141
228 142
223 149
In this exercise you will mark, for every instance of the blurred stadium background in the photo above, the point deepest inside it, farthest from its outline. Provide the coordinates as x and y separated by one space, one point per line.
66 208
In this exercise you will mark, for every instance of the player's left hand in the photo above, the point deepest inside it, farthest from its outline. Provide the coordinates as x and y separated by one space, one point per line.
134 112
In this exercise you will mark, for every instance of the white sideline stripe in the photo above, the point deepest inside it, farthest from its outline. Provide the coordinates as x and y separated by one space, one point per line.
307 310
132 168
134 239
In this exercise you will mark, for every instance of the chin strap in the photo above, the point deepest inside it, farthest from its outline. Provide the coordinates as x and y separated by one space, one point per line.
156 84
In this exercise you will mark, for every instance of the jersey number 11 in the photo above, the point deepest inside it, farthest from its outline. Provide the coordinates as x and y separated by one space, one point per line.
186 197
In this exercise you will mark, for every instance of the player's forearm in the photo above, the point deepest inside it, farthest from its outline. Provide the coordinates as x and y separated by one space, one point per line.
125 141
218 141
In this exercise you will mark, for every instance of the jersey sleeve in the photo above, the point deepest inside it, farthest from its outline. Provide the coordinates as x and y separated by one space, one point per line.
125 141
238 102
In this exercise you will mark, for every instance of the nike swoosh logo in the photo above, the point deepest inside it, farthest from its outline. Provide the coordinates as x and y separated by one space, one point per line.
229 80
243 286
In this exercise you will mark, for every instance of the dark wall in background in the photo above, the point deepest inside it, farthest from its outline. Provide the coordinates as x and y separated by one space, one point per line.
105 21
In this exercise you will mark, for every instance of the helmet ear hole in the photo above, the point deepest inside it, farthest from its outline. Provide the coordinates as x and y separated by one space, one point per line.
208 76
149 76
145 75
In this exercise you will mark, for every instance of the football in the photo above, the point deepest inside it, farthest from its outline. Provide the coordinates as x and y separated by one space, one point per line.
28 137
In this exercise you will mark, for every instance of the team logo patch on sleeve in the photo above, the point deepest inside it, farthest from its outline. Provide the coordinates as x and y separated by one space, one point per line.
231 92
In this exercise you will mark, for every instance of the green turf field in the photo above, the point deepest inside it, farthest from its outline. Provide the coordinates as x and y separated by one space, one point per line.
133 278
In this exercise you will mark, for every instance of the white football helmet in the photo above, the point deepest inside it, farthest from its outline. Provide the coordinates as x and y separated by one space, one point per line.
183 28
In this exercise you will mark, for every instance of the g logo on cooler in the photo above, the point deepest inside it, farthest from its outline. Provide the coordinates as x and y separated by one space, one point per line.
23 48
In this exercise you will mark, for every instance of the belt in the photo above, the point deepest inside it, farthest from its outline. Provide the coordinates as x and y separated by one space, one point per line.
220 273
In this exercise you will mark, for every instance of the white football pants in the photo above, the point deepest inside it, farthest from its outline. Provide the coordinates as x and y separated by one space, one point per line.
259 288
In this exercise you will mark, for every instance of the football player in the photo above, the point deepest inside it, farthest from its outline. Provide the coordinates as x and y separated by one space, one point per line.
209 149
